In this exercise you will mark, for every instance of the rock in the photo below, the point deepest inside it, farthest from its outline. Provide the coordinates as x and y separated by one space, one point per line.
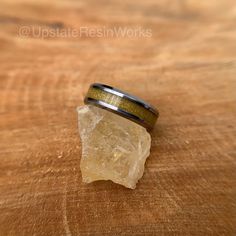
113 148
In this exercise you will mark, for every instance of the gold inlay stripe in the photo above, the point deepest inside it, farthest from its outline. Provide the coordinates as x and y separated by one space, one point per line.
124 104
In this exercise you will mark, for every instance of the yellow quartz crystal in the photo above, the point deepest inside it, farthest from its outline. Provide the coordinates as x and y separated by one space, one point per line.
113 148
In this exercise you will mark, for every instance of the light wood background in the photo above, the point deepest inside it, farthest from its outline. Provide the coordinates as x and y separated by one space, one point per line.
187 69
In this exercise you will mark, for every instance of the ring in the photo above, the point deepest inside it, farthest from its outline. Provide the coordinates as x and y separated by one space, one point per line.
122 103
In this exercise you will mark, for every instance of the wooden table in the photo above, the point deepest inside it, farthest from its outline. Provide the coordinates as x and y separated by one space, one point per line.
183 62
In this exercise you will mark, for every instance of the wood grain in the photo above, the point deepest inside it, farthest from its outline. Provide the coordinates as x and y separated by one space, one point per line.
187 68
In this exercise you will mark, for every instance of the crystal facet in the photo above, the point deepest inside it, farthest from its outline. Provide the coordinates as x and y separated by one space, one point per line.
113 148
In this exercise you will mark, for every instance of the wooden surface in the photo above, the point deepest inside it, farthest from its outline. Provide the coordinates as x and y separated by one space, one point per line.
187 69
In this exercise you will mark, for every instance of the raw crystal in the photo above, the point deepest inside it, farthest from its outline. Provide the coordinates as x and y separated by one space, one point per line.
113 148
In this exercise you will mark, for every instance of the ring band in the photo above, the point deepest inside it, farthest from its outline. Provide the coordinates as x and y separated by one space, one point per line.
122 103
